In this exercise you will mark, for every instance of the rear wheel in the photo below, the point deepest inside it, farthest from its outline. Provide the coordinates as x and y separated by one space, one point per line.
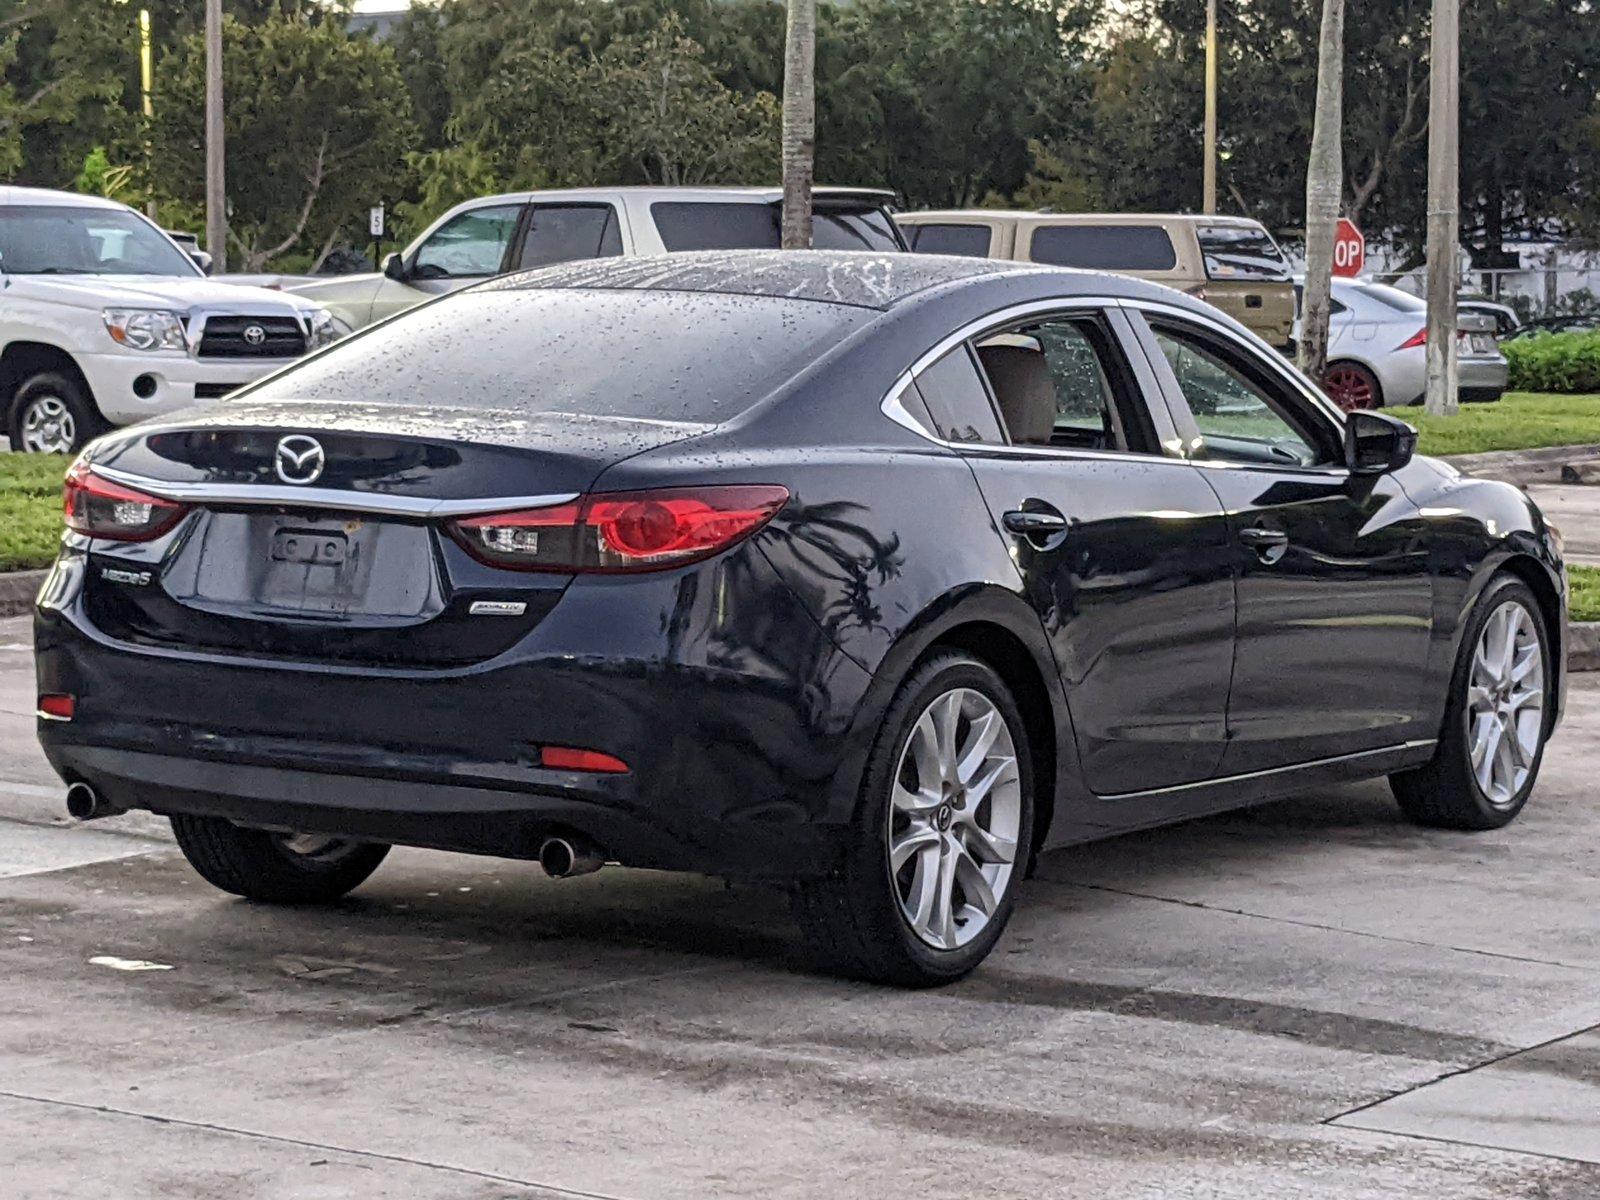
942 835
52 413
281 868
1352 386
1489 751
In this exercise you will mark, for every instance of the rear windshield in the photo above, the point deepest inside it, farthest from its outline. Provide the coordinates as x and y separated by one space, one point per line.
1241 252
971 240
686 225
690 357
1393 297
1104 247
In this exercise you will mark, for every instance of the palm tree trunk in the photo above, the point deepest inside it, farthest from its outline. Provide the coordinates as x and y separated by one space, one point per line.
1324 184
799 122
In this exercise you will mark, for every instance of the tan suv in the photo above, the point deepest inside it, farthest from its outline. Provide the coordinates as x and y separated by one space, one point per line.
1230 261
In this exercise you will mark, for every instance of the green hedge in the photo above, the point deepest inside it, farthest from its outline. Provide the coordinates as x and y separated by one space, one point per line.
1560 362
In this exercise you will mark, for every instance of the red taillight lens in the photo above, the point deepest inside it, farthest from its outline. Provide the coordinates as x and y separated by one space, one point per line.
622 531
1419 338
58 706
103 509
570 758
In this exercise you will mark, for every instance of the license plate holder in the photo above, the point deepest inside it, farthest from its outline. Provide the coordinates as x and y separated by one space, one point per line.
310 547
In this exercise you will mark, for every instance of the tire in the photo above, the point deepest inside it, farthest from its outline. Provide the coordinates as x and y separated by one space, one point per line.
1449 791
1351 386
857 922
53 413
265 866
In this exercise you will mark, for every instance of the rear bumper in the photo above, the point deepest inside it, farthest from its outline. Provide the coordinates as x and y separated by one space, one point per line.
740 771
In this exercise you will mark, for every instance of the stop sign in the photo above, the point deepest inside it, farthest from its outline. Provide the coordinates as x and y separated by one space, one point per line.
1349 248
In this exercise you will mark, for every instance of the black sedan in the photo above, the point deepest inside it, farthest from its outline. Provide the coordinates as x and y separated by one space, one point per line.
872 576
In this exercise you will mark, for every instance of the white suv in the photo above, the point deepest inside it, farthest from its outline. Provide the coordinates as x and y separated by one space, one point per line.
104 320
521 230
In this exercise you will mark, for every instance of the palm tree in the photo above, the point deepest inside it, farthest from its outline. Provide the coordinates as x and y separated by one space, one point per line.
799 122
1324 183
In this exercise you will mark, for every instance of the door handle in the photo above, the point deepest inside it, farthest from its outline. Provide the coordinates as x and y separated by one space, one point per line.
1030 523
1269 544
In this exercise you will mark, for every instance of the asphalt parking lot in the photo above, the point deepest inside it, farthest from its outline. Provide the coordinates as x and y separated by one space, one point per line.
1310 999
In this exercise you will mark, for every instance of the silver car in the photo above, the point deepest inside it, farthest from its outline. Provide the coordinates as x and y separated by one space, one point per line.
1377 349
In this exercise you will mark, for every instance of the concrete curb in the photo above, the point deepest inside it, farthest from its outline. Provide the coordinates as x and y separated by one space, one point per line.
1583 646
17 590
1547 464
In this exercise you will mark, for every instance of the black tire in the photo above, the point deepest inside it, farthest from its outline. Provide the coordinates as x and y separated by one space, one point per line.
64 390
852 921
1445 793
260 865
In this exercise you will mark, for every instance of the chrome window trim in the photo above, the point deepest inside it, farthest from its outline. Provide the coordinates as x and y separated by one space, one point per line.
892 408
342 499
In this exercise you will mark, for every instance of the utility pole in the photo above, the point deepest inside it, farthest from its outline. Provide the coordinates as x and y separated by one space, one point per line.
799 121
1324 186
216 191
146 83
1208 186
1444 170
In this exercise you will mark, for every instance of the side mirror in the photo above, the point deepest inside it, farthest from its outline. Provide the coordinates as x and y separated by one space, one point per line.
1375 443
201 260
394 267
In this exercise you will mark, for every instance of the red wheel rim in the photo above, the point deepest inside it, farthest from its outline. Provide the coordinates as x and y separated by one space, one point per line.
1349 387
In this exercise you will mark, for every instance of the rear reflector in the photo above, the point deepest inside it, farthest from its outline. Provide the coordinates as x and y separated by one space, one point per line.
57 706
569 758
95 506
621 531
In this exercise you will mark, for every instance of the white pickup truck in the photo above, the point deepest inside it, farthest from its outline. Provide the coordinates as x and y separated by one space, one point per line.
104 321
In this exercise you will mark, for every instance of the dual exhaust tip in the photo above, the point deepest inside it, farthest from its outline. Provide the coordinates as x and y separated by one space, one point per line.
559 857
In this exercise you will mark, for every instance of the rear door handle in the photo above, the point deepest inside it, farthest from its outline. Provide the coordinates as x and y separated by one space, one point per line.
1031 523
1269 544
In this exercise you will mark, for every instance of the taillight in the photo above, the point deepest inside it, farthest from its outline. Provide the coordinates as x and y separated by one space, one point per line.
1419 338
621 531
96 506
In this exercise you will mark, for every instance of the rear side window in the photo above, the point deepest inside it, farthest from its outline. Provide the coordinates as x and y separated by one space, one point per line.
972 240
1240 252
957 399
692 357
559 233
1104 247
687 225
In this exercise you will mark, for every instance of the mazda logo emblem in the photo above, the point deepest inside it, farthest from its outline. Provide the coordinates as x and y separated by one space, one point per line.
254 334
299 459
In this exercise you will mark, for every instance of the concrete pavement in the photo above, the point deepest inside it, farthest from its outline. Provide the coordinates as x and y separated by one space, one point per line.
1575 509
1308 1000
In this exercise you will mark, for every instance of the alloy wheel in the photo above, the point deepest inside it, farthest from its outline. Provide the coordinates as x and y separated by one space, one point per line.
48 426
1349 388
1505 703
954 818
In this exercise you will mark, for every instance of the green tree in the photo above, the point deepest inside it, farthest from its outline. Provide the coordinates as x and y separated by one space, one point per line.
314 130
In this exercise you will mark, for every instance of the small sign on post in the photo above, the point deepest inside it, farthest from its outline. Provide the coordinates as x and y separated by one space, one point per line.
375 218
1349 249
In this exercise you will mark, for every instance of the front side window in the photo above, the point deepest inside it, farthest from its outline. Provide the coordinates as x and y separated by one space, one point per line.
1241 252
1239 418
1104 247
470 245
48 239
559 233
971 240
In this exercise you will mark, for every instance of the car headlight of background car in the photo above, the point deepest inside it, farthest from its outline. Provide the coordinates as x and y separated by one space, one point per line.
326 329
146 328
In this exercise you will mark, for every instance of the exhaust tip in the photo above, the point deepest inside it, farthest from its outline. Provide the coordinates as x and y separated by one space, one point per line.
85 804
562 858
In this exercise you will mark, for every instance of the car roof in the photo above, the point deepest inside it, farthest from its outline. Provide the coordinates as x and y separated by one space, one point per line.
852 277
968 214
11 194
764 195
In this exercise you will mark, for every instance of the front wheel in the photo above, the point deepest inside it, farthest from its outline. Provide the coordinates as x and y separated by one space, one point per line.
279 868
1496 722
52 413
944 825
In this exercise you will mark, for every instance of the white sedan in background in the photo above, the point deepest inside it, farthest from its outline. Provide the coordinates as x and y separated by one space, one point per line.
1377 348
